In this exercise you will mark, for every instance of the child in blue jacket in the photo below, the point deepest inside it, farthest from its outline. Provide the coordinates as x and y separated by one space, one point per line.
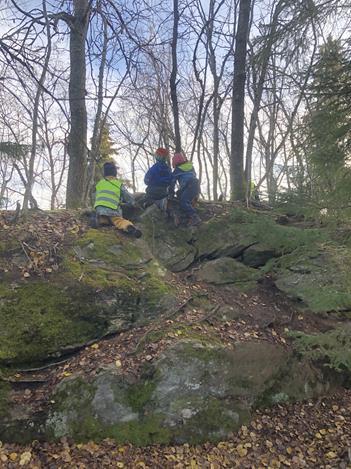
189 189
158 178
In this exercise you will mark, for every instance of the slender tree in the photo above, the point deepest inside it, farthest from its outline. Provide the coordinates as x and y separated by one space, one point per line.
77 139
173 77
238 103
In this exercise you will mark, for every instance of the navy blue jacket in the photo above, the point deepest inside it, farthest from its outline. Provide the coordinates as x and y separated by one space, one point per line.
183 174
158 175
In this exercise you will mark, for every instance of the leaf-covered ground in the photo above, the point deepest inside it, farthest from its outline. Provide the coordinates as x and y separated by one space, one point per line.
32 246
308 435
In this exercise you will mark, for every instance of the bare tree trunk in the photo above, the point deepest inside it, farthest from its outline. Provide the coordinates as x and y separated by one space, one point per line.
238 101
173 78
77 140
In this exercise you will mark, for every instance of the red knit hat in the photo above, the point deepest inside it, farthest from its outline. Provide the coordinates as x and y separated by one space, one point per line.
162 152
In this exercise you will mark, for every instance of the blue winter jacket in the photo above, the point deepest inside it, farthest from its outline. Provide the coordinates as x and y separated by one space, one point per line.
183 174
158 175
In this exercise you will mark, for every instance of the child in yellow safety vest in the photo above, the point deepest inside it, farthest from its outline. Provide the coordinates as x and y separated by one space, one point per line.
110 193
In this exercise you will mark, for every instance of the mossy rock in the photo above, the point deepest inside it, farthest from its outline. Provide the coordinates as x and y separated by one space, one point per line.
109 406
38 319
257 255
197 391
170 245
232 234
226 270
319 276
109 284
125 269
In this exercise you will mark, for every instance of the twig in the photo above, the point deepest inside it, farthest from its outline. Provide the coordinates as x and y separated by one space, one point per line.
25 252
212 312
48 365
16 215
28 382
164 316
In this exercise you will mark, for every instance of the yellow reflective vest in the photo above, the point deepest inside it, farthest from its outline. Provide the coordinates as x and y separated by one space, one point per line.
108 193
188 166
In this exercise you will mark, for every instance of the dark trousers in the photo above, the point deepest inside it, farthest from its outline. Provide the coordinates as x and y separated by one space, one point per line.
187 195
156 192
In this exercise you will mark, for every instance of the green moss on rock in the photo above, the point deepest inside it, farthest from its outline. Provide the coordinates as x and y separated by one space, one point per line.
38 318
171 246
108 260
226 270
319 276
233 233
140 393
214 421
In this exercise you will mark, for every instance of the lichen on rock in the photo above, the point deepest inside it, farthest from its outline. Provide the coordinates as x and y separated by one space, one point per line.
197 391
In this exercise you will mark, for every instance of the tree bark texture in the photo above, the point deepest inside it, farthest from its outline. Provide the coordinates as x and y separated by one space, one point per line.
77 139
173 78
238 103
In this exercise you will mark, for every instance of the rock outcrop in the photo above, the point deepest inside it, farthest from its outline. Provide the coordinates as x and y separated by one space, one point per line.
197 391
107 283
202 386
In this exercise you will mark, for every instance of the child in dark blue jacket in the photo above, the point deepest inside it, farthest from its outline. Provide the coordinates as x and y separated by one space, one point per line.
158 178
189 189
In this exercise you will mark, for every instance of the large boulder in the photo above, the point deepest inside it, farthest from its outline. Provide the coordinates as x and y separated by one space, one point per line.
170 245
253 236
107 283
226 270
197 391
319 276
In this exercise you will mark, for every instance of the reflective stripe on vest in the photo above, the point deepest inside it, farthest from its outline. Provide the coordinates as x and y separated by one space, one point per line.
108 193
188 166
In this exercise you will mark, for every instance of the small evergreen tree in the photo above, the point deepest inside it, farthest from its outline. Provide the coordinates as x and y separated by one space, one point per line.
106 150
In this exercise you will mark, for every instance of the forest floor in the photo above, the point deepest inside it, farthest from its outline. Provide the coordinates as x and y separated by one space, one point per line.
312 434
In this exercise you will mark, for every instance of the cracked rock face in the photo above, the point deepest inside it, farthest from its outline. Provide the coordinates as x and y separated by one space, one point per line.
197 391
226 270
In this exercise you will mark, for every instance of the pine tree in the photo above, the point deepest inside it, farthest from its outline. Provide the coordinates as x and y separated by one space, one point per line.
329 122
106 150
